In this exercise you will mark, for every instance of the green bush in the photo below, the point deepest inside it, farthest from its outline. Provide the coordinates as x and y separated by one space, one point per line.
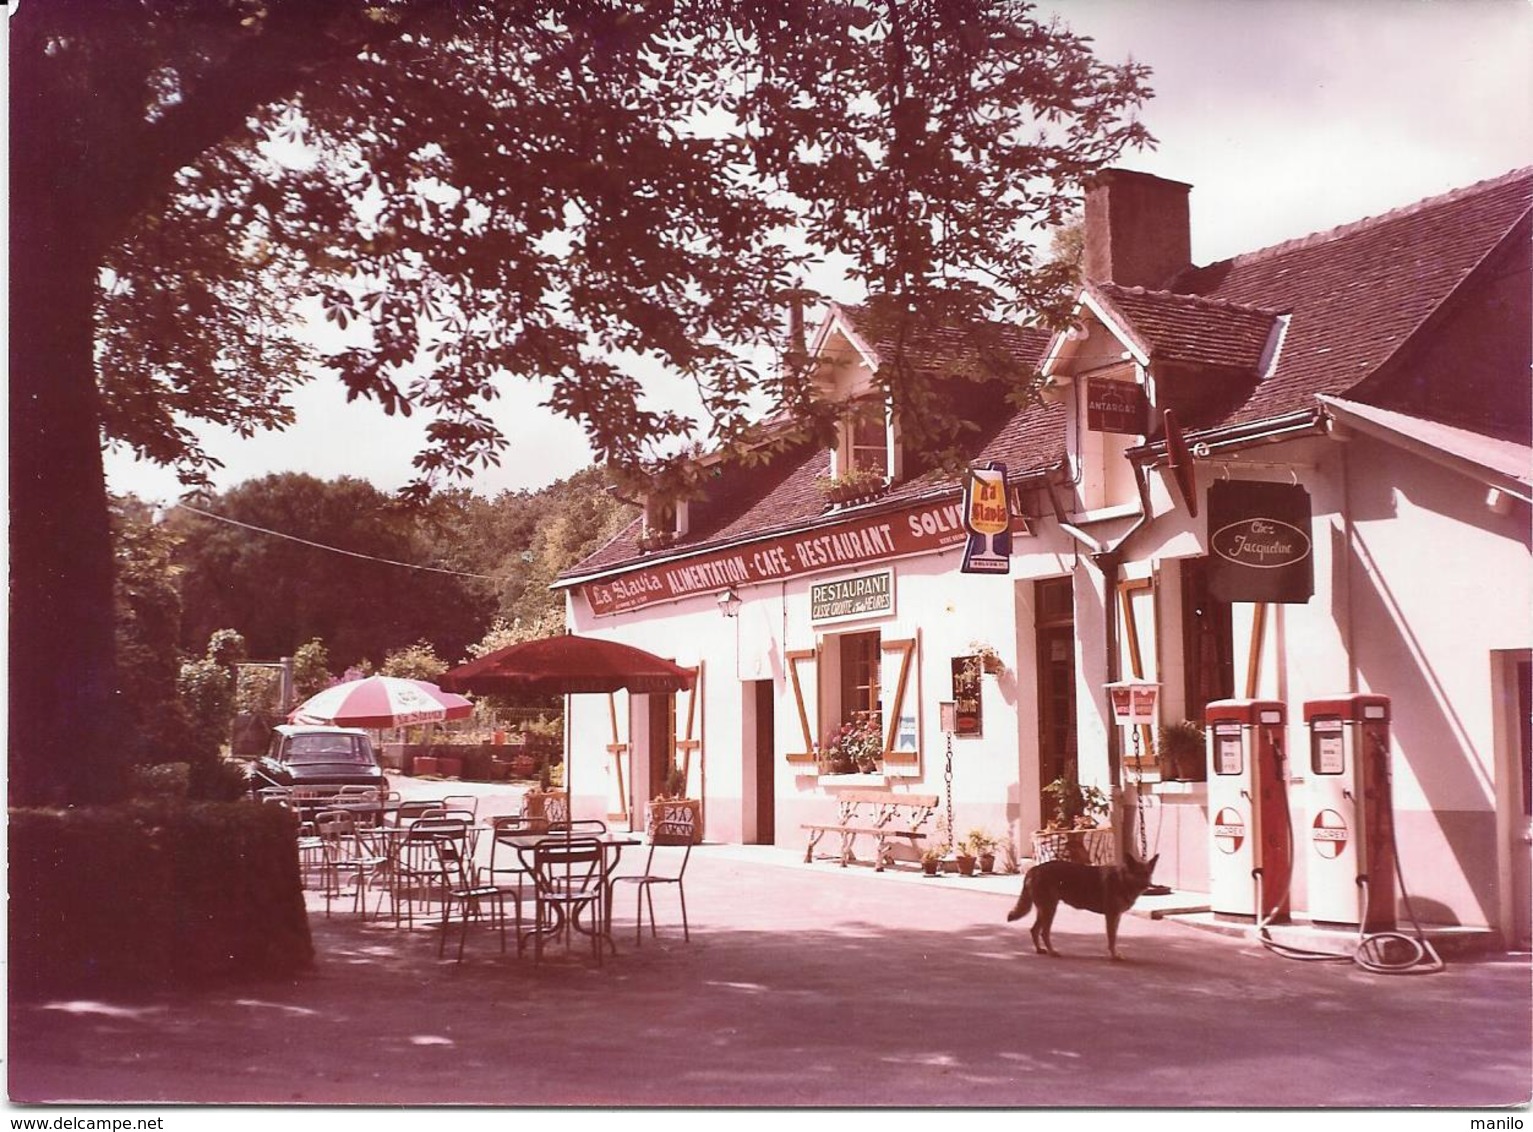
153 893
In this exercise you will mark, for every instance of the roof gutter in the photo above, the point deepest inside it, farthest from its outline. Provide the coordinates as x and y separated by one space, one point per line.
1203 444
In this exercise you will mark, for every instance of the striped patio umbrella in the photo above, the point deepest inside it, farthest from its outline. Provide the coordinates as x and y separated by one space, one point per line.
381 701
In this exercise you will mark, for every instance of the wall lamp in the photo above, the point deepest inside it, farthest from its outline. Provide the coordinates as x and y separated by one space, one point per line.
729 603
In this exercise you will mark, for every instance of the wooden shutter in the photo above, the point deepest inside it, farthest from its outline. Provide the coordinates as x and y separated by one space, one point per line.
619 796
689 737
902 702
1136 596
805 758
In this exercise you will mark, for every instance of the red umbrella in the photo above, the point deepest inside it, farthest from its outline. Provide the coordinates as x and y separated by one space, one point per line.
381 701
557 665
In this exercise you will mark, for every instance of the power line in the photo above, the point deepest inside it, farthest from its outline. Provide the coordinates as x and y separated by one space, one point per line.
331 549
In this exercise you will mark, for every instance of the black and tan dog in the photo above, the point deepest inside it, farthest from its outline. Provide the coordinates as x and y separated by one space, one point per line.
1106 889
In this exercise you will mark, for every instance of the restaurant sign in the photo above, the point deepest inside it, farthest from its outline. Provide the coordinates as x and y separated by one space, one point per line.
1259 545
866 595
891 534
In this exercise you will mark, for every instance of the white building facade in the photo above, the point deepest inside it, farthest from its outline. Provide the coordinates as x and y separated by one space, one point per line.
1377 375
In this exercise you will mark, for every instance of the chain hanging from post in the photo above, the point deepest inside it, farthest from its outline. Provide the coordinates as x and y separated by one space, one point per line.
1139 821
947 778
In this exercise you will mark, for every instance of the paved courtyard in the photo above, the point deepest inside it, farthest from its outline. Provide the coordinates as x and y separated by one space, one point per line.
805 986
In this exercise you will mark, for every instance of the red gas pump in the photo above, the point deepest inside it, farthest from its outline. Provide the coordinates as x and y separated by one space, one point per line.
1251 847
1351 857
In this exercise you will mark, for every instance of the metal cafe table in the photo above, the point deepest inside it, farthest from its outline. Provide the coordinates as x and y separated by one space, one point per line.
537 852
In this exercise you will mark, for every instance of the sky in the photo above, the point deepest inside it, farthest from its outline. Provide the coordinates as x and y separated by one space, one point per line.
1287 117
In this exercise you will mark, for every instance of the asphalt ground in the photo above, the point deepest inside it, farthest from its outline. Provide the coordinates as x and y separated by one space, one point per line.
803 986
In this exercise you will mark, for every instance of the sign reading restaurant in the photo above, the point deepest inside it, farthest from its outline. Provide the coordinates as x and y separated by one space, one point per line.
892 534
865 595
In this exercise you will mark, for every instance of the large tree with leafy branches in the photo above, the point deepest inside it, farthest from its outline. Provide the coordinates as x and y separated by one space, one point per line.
473 192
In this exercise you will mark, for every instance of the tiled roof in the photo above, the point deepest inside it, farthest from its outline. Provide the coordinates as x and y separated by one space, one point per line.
1356 294
782 495
1188 328
953 349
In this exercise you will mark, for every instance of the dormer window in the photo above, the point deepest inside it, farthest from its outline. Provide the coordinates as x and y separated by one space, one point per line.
866 441
664 521
868 436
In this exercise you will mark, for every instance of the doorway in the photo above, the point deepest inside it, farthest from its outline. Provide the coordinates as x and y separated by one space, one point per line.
1055 635
761 767
1519 786
662 745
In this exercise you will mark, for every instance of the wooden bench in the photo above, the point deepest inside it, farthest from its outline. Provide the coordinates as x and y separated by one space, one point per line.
883 815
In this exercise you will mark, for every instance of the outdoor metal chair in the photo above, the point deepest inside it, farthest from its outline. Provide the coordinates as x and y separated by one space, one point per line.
415 862
346 856
467 803
663 866
570 877
505 861
408 812
461 888
578 826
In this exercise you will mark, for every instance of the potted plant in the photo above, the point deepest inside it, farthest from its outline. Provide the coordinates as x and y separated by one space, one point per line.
1180 752
672 804
981 844
964 858
854 746
865 483
1074 830
986 659
931 860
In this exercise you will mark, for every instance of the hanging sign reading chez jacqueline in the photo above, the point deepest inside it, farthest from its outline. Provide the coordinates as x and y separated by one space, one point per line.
1259 543
987 518
892 534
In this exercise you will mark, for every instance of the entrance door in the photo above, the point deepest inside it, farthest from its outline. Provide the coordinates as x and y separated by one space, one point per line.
1055 603
662 746
1522 849
764 808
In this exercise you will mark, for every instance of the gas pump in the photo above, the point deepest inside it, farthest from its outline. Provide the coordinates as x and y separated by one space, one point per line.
1351 858
1251 846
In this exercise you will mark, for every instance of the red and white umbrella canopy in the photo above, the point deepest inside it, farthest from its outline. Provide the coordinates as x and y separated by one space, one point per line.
381 701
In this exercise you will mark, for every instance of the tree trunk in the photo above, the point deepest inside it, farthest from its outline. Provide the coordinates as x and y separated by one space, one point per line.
62 652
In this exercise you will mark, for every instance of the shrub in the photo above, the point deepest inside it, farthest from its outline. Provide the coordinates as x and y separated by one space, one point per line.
148 894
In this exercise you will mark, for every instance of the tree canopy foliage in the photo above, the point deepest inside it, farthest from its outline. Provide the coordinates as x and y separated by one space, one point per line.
472 192
290 559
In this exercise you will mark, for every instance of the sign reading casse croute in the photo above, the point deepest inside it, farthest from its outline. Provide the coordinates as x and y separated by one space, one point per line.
866 595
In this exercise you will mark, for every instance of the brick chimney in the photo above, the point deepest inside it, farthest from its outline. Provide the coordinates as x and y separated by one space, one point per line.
1137 229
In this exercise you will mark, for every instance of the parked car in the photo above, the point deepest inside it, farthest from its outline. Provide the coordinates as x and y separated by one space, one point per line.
317 756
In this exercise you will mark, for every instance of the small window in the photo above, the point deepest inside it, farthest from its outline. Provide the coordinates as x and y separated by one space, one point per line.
859 677
869 437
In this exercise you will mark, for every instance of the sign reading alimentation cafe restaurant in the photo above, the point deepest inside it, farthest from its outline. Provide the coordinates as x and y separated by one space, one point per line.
893 534
1259 543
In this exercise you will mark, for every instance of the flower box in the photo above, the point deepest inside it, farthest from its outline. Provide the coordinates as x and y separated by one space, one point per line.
672 809
1095 846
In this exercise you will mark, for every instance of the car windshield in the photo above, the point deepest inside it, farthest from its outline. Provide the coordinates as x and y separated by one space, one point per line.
327 749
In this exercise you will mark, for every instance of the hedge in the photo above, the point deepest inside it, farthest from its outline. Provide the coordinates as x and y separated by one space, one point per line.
148 894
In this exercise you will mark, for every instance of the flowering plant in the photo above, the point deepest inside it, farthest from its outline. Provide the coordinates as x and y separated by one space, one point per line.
857 741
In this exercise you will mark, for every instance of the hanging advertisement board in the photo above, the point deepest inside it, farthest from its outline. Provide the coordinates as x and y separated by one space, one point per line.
1115 406
987 519
1259 546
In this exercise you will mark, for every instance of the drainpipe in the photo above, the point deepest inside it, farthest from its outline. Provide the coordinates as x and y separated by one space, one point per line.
1109 560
